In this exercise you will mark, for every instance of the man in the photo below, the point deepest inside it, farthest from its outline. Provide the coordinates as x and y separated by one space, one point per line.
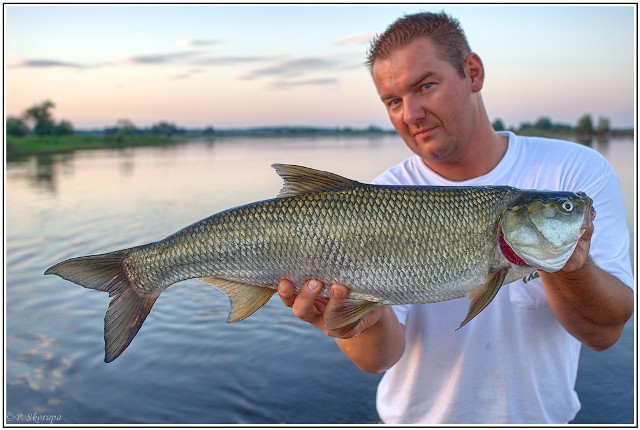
517 361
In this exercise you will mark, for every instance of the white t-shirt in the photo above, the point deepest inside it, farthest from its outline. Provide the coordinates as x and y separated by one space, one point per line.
513 363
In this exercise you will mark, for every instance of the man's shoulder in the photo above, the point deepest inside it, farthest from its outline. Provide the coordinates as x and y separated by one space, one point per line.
550 146
557 153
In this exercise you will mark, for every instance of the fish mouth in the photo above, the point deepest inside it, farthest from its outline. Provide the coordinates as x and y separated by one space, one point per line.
589 213
556 256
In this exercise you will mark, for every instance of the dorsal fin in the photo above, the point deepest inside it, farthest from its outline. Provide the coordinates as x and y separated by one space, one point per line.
301 180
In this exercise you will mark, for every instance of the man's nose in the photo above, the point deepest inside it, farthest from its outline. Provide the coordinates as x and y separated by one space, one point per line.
413 112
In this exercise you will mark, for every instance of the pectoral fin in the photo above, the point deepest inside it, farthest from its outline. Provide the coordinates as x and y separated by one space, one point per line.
245 298
482 296
347 313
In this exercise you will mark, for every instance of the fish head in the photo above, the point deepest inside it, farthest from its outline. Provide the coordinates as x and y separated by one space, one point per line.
543 227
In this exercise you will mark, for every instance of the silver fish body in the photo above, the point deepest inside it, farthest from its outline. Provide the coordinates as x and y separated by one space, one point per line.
387 244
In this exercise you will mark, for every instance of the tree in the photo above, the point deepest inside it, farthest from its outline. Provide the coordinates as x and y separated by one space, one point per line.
126 126
16 127
122 129
41 117
43 124
585 125
526 126
63 128
498 125
543 123
164 128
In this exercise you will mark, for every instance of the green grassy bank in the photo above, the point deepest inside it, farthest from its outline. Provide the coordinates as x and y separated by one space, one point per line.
33 145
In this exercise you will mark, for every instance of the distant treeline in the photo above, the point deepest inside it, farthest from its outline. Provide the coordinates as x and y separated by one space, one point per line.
585 127
125 128
38 121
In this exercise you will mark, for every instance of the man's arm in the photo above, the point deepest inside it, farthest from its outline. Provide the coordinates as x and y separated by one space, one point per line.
590 303
374 345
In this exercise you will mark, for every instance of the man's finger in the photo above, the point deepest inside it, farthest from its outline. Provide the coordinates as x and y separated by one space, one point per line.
304 305
581 252
286 291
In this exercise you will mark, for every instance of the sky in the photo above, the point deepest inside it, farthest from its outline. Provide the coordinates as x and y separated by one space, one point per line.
247 66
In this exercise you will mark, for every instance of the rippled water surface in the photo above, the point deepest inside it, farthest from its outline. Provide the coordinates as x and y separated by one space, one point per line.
187 365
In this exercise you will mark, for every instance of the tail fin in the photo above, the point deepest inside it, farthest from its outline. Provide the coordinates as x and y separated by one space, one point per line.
127 310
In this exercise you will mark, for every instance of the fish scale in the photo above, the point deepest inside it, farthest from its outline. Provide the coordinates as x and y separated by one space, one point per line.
387 244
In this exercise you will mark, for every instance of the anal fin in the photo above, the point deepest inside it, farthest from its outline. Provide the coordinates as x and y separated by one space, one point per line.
482 296
245 298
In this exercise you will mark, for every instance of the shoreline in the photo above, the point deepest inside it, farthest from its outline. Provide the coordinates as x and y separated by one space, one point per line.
20 147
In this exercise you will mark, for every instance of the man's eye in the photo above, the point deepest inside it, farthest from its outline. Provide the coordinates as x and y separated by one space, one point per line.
394 102
426 86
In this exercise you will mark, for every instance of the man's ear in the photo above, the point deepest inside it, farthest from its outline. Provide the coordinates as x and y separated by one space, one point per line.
475 70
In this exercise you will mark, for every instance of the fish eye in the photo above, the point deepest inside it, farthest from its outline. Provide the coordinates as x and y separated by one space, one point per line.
567 206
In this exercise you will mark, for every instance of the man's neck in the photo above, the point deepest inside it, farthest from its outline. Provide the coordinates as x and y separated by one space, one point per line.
484 155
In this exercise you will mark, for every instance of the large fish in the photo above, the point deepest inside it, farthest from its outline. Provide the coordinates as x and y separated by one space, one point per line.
387 244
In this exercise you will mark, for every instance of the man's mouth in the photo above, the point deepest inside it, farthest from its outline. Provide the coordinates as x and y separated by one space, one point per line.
424 132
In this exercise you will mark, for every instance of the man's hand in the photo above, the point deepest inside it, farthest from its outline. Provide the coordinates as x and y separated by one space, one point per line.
309 306
581 253
376 343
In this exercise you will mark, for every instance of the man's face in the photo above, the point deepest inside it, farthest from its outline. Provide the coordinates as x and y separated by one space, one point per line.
430 105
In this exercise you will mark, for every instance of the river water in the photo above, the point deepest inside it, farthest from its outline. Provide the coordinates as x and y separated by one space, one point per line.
187 366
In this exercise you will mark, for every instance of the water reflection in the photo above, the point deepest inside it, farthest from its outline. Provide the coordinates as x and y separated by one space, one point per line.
44 174
126 161
602 143
585 140
38 369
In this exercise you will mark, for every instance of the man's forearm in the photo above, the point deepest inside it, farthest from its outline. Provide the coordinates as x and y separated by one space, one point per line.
590 303
379 346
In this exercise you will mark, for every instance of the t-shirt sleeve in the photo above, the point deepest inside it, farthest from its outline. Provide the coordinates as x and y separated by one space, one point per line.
401 312
566 166
610 241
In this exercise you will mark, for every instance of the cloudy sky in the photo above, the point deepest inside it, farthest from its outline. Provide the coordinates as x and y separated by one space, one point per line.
242 66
